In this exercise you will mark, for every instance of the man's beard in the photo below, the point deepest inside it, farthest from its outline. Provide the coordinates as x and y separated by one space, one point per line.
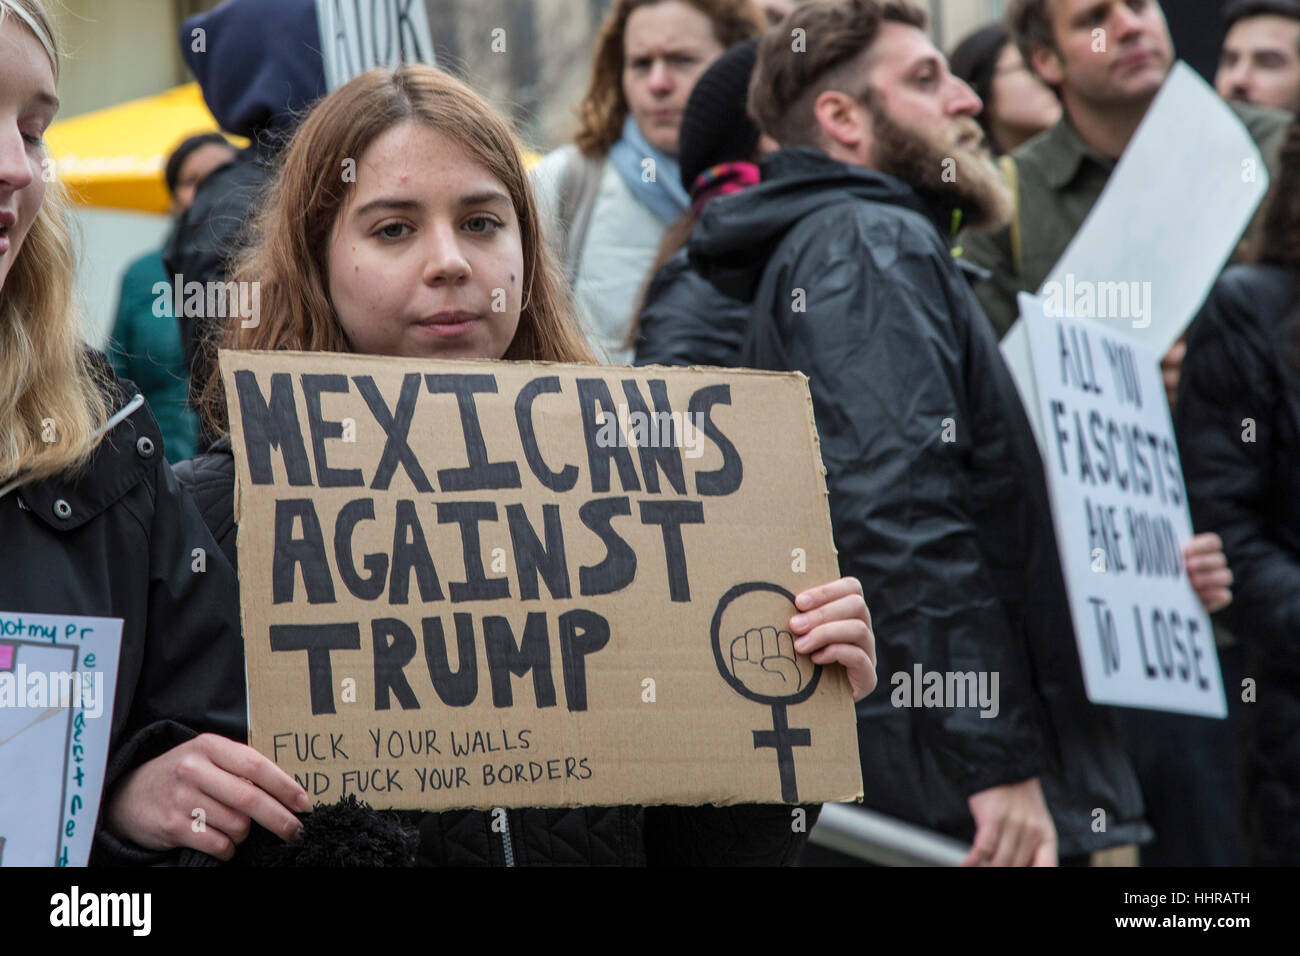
967 175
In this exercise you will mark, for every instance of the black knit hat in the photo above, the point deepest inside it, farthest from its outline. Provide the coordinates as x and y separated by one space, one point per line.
975 59
172 172
715 125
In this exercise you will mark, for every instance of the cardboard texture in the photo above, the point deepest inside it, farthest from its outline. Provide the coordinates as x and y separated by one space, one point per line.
484 584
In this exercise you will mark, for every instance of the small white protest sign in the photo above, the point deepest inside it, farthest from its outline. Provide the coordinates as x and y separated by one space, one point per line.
356 37
1170 216
1120 510
58 678
1173 211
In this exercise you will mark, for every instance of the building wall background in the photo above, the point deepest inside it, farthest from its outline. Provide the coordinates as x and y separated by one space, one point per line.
121 49
117 50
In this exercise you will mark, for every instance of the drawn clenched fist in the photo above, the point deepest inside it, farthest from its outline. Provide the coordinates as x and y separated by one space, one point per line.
764 660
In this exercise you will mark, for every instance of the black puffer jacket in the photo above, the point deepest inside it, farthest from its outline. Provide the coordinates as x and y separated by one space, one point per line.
937 493
750 835
686 321
119 540
1238 422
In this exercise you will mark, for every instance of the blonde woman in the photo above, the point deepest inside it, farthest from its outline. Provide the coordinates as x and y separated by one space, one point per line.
91 517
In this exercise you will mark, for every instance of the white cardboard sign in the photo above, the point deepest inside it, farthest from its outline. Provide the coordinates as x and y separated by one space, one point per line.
1174 209
1177 203
58 678
1120 509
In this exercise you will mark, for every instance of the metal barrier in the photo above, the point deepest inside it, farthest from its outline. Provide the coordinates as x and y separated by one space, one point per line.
883 840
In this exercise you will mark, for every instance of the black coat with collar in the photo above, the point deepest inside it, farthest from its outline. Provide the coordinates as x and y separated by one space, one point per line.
121 540
1238 425
937 492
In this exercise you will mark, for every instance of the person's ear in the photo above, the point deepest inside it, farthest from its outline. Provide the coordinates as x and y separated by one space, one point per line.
842 119
1047 64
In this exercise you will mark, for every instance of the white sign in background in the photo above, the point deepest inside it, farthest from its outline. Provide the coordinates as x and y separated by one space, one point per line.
1170 216
359 35
1120 510
58 679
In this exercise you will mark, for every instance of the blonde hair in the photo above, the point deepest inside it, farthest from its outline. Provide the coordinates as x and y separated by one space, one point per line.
288 256
52 398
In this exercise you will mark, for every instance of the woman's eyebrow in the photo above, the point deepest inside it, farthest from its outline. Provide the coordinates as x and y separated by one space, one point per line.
486 196
47 100
387 202
394 202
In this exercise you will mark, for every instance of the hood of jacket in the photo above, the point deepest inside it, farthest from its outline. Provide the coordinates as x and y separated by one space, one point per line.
258 63
737 234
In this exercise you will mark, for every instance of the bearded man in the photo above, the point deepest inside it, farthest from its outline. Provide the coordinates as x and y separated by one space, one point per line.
937 493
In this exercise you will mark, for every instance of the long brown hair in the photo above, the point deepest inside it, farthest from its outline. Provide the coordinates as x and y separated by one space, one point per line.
604 107
1279 235
287 254
1278 240
675 238
53 403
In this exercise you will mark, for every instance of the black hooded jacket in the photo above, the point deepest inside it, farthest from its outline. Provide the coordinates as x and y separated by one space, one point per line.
746 835
260 69
685 320
1238 422
937 494
120 539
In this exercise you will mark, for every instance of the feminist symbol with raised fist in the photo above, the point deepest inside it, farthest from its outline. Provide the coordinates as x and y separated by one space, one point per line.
761 665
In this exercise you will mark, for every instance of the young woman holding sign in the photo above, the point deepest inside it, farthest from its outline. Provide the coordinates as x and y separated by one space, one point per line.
91 518
402 223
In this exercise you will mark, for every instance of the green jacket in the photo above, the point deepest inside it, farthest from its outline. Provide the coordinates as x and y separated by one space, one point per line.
1059 180
145 347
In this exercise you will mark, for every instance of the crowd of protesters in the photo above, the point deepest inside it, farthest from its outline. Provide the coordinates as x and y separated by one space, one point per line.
808 170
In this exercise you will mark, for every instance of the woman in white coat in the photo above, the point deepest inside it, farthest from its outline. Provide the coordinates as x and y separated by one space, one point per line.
609 196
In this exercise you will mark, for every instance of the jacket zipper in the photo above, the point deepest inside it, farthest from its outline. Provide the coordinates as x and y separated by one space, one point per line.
506 844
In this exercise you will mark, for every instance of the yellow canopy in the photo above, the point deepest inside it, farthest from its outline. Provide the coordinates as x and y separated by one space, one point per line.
114 157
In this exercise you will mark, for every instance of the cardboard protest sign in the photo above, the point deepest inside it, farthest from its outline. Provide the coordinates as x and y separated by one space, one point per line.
483 584
58 678
1120 509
